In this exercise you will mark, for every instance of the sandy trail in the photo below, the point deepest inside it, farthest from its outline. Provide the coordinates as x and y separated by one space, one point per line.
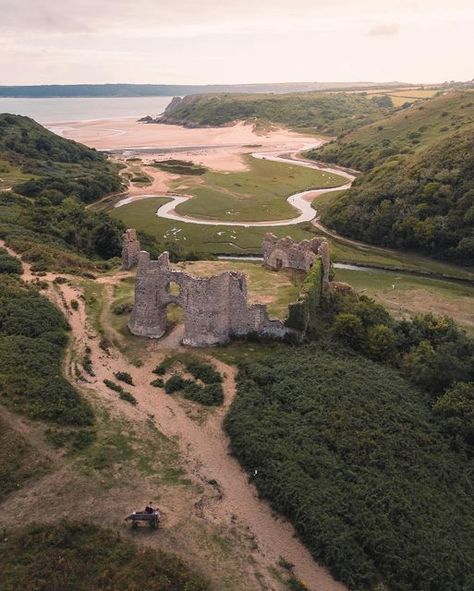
205 447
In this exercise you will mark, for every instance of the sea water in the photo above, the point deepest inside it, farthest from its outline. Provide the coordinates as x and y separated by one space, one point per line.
55 110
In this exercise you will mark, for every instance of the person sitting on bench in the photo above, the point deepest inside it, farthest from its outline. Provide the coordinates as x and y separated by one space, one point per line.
149 509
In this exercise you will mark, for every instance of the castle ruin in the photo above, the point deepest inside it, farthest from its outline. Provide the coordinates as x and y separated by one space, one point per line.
130 249
285 253
215 308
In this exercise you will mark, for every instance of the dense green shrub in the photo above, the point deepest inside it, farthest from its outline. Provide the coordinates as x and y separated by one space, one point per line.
304 314
209 395
175 383
200 370
456 407
158 383
9 264
123 394
83 557
124 376
356 458
422 202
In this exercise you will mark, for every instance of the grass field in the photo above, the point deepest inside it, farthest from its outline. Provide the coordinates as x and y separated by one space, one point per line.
406 295
257 194
210 240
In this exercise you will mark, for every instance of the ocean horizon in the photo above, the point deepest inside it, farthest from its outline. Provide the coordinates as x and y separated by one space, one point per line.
56 110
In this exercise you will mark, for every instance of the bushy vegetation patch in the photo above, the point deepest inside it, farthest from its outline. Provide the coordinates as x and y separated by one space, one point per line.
82 557
33 334
432 352
9 264
417 190
186 167
205 388
200 370
355 457
123 394
124 376
423 202
304 313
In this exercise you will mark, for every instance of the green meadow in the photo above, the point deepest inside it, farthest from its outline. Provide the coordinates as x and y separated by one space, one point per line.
257 194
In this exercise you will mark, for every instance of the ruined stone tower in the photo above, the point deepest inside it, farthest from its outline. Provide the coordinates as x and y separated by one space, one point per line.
285 253
130 249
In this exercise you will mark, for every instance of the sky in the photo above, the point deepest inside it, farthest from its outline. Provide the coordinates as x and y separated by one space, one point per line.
239 41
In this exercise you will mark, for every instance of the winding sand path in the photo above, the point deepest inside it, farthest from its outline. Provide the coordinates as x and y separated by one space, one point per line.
204 446
300 201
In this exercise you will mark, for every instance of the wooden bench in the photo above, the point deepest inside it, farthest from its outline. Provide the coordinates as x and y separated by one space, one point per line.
142 516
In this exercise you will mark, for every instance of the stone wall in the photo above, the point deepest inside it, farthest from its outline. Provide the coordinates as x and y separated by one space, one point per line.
286 253
215 308
130 249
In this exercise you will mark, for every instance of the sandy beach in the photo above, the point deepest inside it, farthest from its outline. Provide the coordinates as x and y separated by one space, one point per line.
217 147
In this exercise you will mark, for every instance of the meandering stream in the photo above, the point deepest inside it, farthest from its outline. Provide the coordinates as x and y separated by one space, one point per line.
300 201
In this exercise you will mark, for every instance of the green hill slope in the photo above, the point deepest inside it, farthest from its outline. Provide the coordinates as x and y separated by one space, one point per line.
404 132
53 162
48 179
423 201
326 113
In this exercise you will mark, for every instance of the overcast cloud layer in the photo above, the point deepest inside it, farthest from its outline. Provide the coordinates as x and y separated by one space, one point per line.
218 41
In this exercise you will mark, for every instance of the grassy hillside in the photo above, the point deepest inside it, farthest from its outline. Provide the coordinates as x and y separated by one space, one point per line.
43 216
54 162
83 557
421 202
329 114
403 132
356 458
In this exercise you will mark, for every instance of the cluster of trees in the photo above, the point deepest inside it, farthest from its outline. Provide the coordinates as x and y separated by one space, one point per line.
431 352
33 334
324 112
89 558
360 462
423 202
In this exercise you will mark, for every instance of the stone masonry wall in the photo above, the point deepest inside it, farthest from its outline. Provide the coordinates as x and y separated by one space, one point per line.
281 253
215 308
130 249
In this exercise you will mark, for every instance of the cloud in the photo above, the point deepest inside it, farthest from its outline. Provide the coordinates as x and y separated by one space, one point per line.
384 30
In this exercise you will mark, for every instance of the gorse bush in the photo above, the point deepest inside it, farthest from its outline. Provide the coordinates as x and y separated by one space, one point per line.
89 558
203 371
9 264
123 394
356 458
124 376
